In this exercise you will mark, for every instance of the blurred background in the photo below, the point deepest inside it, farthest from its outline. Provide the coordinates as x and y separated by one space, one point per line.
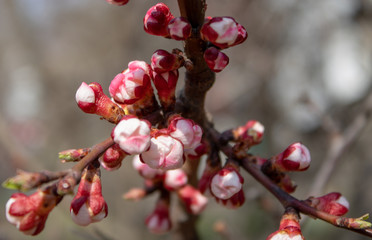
304 72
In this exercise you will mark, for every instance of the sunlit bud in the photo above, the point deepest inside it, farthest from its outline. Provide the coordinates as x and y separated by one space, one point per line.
196 152
112 158
29 213
251 133
118 2
226 182
179 28
233 202
185 130
132 135
175 179
194 201
159 221
91 99
333 203
165 153
132 84
73 155
163 61
215 59
157 19
205 181
295 157
88 205
223 32
289 228
145 171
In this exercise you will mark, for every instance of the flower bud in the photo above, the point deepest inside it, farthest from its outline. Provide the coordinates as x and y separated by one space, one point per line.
157 19
223 32
179 28
132 84
117 2
132 135
159 221
215 59
91 99
251 133
163 61
186 131
233 202
145 171
165 153
29 213
88 205
296 157
289 228
73 155
175 179
333 203
112 158
226 182
205 181
194 201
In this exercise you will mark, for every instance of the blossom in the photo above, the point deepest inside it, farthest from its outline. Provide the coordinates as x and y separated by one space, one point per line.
157 19
175 179
296 157
226 182
185 130
215 59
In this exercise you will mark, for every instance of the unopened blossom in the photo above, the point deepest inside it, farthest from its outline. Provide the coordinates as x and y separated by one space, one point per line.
235 201
194 201
112 157
118 2
333 203
145 171
132 84
165 83
223 32
175 179
185 130
91 99
215 59
157 19
179 28
29 213
88 205
296 157
132 135
165 153
204 184
164 61
226 182
252 132
289 228
159 221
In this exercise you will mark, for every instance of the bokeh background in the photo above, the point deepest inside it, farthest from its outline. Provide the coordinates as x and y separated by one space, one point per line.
305 64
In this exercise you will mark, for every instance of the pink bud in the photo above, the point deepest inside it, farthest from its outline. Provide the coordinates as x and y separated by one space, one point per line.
185 130
251 133
286 234
29 213
233 202
132 135
163 61
175 179
215 59
333 203
118 2
91 99
159 221
88 205
226 183
157 19
194 201
132 84
112 158
165 153
165 83
289 228
223 32
295 158
179 28
145 171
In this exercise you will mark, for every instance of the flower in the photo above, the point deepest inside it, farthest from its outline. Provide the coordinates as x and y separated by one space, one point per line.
132 135
165 153
88 205
175 179
145 171
215 59
186 131
333 203
157 19
163 61
252 132
112 158
227 182
296 157
179 28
